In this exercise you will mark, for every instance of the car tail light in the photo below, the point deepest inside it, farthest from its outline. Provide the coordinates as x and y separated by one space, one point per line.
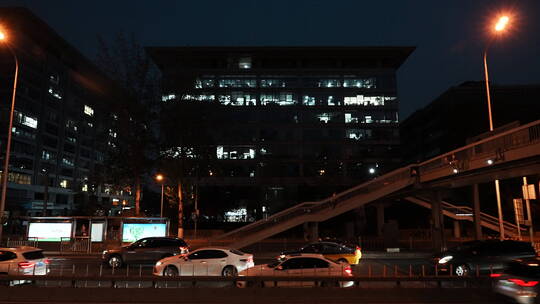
348 270
46 261
25 265
523 283
495 275
248 260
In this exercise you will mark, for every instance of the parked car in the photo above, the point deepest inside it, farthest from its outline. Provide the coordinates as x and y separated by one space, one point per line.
520 281
298 265
24 260
333 250
211 261
145 251
486 256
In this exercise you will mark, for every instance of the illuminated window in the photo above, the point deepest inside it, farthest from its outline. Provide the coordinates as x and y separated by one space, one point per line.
272 83
308 100
168 97
55 93
26 120
367 100
269 98
18 178
324 117
65 183
237 83
67 161
241 98
201 97
23 133
84 188
368 119
244 63
235 152
329 83
88 110
331 101
236 215
368 83
358 134
286 99
350 118
48 155
204 83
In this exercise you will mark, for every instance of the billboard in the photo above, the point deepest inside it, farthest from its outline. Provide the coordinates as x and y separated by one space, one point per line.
49 232
96 233
133 232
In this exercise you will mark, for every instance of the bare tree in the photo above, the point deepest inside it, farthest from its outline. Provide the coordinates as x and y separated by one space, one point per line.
134 129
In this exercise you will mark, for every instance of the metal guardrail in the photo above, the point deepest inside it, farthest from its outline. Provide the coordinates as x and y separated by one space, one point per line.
33 242
77 244
471 156
109 281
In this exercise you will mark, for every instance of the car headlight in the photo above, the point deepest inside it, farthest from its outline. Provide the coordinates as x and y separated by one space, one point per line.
104 252
159 263
445 259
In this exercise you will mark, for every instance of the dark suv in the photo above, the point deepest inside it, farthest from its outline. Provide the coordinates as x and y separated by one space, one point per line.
145 251
486 256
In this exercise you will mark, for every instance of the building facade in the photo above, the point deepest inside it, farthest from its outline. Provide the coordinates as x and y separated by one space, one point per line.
460 115
291 124
61 122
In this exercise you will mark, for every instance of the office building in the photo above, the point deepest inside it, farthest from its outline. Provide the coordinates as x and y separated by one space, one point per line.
290 124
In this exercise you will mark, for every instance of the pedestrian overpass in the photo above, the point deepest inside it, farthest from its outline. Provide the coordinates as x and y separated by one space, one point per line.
509 154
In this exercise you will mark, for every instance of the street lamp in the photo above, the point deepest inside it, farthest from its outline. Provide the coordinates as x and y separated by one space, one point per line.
161 179
499 27
4 41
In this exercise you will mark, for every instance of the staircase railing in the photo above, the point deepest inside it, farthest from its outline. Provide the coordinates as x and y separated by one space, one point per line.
312 209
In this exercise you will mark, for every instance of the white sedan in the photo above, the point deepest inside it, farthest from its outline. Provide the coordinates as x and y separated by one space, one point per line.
205 262
24 260
299 265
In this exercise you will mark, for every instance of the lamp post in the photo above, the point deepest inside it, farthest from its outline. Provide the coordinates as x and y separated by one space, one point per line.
3 39
161 179
499 27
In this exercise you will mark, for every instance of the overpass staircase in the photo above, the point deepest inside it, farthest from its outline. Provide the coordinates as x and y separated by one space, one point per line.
498 152
465 213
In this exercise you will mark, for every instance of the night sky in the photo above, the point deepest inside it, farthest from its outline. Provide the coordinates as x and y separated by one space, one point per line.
449 35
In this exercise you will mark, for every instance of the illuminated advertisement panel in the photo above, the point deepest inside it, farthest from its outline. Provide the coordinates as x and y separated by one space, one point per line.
133 232
49 232
96 234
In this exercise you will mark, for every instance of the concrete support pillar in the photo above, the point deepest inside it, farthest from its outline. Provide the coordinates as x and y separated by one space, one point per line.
476 213
311 231
437 227
380 219
457 229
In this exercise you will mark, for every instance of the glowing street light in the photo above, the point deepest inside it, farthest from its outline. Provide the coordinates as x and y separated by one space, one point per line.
161 179
499 27
501 24
4 41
